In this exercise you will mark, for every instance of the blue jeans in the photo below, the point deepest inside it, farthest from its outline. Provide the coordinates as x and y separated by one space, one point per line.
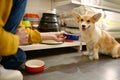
17 12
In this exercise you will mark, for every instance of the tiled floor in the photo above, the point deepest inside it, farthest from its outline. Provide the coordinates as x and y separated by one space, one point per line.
69 64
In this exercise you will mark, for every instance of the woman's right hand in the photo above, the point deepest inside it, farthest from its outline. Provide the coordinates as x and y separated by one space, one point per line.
23 36
56 36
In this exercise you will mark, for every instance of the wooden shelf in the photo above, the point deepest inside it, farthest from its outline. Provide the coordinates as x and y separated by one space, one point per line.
46 46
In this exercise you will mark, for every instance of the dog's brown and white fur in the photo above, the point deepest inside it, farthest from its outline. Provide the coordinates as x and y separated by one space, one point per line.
97 40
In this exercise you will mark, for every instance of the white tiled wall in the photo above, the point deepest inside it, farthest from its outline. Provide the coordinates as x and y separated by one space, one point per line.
38 6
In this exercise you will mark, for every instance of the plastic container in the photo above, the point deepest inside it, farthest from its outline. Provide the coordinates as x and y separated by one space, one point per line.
71 37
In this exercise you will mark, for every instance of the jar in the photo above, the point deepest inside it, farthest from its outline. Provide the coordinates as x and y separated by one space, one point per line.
48 23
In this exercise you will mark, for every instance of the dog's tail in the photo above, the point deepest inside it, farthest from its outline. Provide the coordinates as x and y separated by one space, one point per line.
118 51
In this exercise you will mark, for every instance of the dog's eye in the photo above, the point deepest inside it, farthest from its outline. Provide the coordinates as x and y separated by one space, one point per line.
82 20
88 21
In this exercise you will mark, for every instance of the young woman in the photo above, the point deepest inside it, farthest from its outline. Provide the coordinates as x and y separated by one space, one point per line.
13 34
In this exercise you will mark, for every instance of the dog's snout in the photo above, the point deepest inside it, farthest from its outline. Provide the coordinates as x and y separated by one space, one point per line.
83 26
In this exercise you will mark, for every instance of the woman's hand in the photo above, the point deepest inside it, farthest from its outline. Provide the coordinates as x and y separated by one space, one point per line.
57 36
23 36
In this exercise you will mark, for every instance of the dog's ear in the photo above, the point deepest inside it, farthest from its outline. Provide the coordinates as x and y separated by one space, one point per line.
76 16
96 17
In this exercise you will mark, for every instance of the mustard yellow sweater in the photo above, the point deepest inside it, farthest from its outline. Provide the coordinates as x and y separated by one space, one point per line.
9 42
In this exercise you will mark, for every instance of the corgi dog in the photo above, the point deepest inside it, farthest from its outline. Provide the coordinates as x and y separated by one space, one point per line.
97 40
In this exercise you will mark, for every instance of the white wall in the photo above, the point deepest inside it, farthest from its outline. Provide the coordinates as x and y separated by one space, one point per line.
38 6
110 4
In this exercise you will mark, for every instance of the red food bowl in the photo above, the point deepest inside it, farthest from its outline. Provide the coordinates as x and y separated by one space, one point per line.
34 66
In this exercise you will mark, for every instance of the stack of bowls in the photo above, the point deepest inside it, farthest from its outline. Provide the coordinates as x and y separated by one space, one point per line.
48 23
27 24
33 18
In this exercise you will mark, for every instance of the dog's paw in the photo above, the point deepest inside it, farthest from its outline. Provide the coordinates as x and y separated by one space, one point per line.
86 53
115 56
96 57
91 57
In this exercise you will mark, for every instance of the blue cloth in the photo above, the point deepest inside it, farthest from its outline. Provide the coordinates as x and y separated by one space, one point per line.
17 12
16 15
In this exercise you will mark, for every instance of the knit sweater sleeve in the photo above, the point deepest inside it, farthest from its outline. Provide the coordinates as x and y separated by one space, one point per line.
8 41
